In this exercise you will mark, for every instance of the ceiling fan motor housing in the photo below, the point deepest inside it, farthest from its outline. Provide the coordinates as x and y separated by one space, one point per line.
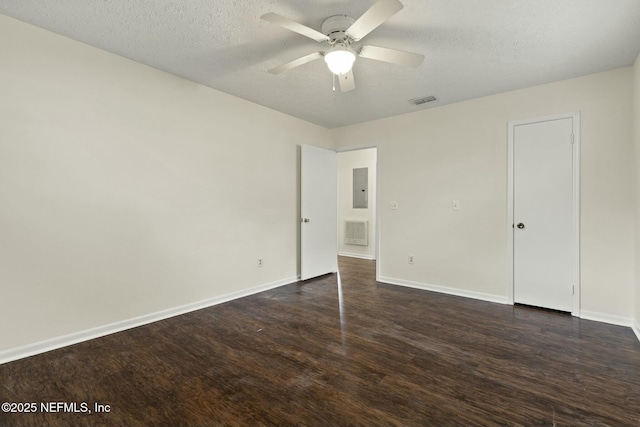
335 27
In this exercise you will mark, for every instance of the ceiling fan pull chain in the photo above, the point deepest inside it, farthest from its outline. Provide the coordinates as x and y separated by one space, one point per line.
334 81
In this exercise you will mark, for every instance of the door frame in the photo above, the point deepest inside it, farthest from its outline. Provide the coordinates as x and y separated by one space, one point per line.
576 204
377 205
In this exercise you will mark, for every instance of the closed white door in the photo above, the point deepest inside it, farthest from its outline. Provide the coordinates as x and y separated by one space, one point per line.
543 214
318 207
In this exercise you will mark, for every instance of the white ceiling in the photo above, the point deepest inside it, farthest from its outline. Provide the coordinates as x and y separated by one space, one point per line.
472 48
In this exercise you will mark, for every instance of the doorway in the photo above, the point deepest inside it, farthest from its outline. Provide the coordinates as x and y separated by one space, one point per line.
543 217
357 191
318 231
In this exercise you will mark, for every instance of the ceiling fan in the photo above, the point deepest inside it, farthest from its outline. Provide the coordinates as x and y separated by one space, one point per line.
341 32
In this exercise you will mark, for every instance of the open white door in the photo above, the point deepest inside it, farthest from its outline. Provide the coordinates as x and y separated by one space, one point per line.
318 207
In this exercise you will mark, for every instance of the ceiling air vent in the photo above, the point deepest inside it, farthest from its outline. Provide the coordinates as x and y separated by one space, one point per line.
423 100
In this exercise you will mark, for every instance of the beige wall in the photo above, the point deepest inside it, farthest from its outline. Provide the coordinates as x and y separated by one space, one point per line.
429 158
636 136
347 161
125 190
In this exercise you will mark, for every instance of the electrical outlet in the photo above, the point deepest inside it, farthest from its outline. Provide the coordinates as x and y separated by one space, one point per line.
260 262
410 259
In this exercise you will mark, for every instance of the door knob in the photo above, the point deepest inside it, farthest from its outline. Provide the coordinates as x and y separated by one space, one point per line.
520 226
305 219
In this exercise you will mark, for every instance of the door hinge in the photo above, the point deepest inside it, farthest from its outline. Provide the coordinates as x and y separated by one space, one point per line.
573 138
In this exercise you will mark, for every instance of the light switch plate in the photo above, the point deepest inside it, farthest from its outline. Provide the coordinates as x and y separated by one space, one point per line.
393 205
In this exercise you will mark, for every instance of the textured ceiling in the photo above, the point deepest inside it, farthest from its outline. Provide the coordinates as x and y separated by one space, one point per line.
472 48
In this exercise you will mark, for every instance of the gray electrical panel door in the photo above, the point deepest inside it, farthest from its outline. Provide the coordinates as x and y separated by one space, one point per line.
361 188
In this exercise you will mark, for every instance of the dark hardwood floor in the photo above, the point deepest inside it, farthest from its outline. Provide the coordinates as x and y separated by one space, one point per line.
325 353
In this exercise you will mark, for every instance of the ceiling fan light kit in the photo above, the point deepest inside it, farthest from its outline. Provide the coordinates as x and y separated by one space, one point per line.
340 59
340 31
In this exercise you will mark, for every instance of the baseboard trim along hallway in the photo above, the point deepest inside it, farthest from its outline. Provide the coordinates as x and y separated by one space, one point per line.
584 314
111 328
606 318
89 334
354 255
445 290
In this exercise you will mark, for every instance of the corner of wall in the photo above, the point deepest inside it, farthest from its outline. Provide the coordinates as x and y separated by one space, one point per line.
636 145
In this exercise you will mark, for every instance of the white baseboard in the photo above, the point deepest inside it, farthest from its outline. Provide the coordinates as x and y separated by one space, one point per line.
584 314
606 318
100 331
446 290
636 329
353 255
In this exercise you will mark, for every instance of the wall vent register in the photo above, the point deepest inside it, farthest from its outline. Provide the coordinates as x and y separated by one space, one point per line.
423 100
356 233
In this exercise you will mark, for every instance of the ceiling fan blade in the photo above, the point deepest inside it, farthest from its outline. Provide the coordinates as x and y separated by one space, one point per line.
296 63
294 26
347 82
372 18
394 56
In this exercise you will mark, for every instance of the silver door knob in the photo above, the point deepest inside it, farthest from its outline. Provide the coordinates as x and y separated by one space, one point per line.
520 226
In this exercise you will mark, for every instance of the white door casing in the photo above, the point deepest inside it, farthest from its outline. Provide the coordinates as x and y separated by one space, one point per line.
319 212
377 198
544 212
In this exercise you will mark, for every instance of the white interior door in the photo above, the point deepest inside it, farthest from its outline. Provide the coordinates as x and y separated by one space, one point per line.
543 214
319 223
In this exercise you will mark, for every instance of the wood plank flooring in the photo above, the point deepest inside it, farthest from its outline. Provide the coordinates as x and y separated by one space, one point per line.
341 353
